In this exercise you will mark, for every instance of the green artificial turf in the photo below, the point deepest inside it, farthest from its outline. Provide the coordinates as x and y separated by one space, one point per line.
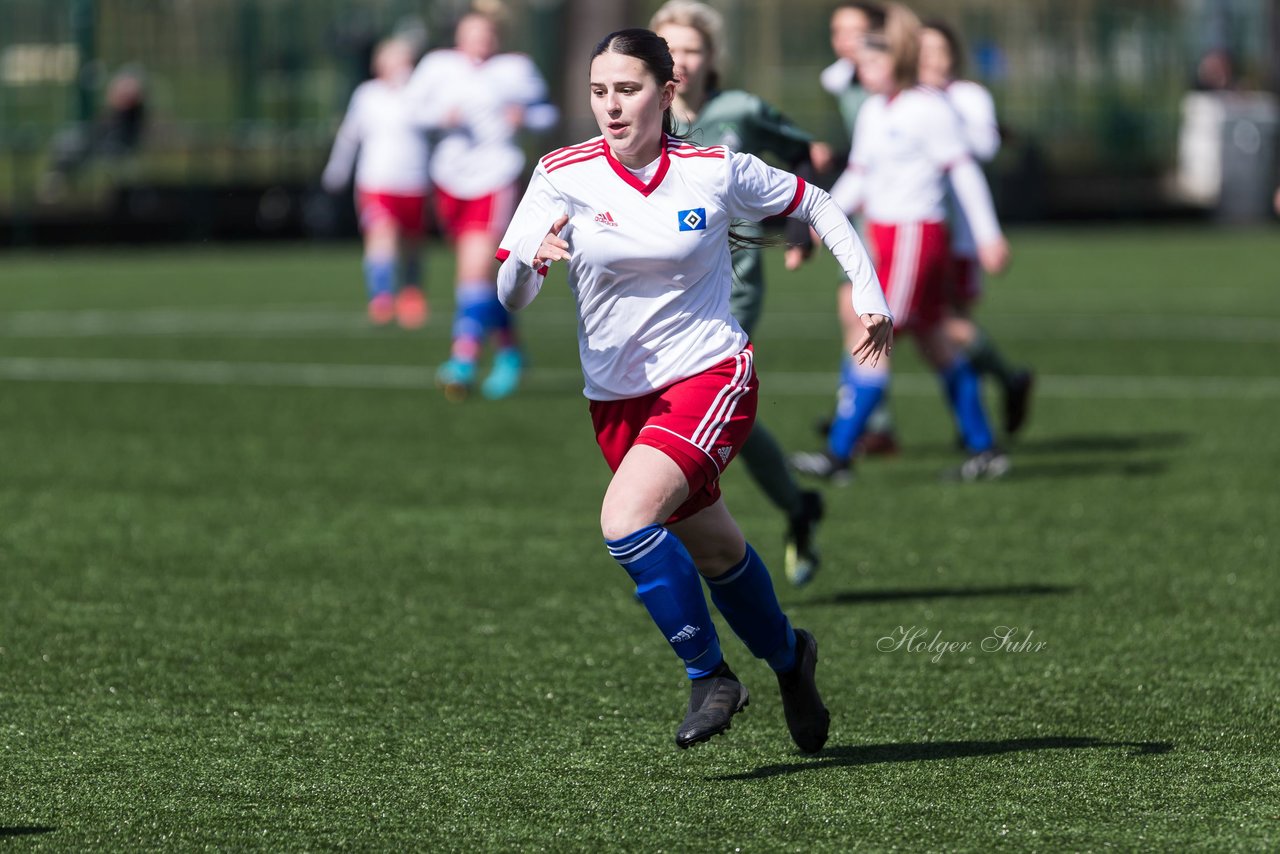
264 588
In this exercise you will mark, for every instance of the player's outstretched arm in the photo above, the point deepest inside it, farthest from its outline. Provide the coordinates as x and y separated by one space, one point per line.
519 281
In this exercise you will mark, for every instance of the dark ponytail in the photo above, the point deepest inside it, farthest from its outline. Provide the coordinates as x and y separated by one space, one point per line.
651 49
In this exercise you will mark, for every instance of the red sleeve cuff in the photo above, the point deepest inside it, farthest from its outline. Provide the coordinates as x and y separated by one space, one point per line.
795 200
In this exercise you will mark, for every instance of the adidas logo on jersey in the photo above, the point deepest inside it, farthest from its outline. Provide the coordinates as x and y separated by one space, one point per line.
607 219
724 451
684 634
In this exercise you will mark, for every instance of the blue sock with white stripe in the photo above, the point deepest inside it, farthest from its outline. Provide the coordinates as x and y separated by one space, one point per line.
861 391
379 276
965 395
670 588
745 596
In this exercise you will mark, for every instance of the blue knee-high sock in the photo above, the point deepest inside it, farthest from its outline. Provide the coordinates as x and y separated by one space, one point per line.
745 596
379 276
498 322
965 395
860 393
669 586
471 320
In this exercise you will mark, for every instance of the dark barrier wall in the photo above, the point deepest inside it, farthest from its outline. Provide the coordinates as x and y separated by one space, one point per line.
240 98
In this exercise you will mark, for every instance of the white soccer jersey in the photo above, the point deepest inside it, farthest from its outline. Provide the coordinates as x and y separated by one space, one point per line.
650 267
479 156
903 146
392 145
977 111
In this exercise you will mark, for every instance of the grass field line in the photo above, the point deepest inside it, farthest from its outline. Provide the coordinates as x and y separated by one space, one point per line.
784 384
283 321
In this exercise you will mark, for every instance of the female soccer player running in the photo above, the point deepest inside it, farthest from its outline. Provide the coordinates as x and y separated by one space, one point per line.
478 98
740 121
641 219
907 147
941 63
391 184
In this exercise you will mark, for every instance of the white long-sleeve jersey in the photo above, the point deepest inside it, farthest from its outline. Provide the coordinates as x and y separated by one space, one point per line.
472 104
905 150
650 269
977 111
383 137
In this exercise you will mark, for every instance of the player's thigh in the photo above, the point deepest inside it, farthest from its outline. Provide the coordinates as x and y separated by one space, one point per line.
381 238
713 539
850 322
645 490
475 251
936 346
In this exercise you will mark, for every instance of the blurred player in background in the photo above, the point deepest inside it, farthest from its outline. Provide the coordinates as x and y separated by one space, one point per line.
478 98
941 64
908 145
642 220
707 115
391 184
850 23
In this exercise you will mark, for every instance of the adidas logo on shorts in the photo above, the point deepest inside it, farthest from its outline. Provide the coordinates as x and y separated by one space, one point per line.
724 451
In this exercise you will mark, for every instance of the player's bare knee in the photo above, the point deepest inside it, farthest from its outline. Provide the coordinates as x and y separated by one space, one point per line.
618 520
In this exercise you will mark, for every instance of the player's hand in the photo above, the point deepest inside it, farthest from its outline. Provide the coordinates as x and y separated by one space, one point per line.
994 255
879 340
820 156
553 248
795 257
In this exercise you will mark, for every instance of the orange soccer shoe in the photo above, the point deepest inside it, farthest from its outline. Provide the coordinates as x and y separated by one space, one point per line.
412 310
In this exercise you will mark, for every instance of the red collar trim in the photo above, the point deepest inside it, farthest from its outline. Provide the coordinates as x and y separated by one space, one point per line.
664 163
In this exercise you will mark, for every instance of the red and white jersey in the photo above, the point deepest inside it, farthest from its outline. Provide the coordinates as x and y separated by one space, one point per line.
392 145
977 111
650 267
478 154
904 146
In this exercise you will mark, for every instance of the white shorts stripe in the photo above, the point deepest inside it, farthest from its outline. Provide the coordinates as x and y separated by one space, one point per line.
723 417
738 367
906 265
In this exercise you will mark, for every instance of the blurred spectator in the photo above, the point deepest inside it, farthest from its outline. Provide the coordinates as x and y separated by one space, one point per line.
1215 72
116 133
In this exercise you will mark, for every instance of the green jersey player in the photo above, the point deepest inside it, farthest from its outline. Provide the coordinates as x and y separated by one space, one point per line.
743 122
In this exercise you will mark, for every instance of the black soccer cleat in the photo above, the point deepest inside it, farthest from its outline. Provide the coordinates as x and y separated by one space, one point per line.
807 716
713 701
823 465
801 556
1017 401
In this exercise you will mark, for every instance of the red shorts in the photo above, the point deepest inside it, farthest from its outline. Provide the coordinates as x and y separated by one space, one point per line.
405 210
912 261
964 283
490 214
700 422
